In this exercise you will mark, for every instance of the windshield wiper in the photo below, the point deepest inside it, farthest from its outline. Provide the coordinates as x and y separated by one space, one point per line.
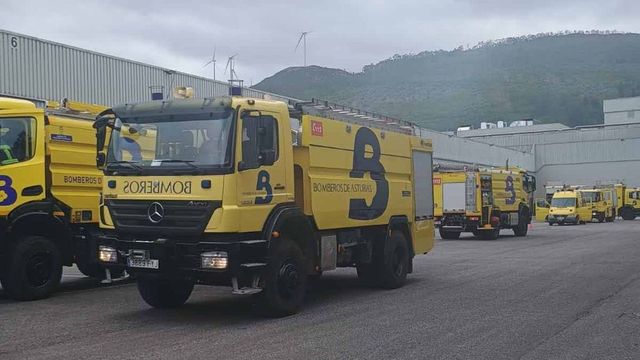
186 162
131 164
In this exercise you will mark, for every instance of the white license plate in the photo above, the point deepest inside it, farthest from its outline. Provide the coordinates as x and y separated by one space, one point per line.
143 263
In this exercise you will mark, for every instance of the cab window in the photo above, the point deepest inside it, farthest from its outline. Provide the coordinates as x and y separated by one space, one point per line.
17 143
259 141
542 203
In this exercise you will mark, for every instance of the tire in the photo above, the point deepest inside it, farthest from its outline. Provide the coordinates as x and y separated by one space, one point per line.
389 268
284 280
164 293
34 269
393 272
627 214
601 218
523 223
449 235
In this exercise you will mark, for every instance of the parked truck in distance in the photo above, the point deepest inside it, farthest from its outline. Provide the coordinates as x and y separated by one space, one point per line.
482 200
603 202
628 206
258 195
49 194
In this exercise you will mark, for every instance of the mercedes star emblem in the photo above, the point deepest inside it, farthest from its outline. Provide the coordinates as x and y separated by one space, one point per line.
155 212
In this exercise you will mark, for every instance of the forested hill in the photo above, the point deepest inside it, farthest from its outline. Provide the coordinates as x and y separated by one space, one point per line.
550 77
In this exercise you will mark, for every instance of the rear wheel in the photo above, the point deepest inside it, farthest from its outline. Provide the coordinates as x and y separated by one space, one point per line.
601 218
396 263
284 280
627 214
389 267
449 235
34 269
161 292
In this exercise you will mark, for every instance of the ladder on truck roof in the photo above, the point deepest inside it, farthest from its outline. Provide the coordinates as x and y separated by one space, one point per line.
326 109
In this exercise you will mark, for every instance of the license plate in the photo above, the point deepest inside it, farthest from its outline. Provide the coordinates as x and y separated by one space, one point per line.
143 263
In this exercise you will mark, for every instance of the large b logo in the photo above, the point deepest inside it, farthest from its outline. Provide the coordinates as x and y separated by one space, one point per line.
8 195
510 190
263 184
358 208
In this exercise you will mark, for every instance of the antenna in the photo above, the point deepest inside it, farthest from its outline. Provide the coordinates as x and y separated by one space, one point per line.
212 61
231 67
303 38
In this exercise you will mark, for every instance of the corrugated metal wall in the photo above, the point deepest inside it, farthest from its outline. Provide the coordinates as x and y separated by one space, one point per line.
587 156
40 69
452 149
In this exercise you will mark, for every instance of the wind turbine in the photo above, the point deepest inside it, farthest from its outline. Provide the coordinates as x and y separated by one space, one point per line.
231 66
212 61
303 38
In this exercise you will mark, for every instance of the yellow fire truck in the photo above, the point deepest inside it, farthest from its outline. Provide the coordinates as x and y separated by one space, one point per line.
482 201
628 201
256 195
602 201
49 194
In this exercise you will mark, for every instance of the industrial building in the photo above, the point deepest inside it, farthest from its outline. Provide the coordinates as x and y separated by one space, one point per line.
622 110
40 69
599 154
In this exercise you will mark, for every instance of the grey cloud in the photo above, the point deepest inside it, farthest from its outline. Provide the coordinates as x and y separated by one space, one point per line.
347 34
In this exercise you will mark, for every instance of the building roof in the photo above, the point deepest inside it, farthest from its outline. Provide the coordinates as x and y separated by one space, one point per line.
512 130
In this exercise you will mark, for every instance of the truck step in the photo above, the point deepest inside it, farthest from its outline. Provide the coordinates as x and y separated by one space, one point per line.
253 265
246 291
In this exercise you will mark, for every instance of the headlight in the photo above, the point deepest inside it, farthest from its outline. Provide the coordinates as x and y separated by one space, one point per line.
214 260
107 254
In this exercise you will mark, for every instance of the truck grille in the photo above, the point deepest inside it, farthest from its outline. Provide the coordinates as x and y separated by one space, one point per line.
177 218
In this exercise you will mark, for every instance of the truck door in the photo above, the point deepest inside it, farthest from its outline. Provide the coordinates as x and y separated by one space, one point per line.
22 158
423 200
261 168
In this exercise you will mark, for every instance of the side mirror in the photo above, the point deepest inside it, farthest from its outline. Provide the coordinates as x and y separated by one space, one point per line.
267 157
101 159
101 134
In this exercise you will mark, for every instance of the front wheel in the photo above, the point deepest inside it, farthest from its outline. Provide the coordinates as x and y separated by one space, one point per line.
523 222
34 269
284 280
163 293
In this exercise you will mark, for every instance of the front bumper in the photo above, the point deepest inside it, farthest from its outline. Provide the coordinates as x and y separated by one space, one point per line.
562 219
459 222
182 257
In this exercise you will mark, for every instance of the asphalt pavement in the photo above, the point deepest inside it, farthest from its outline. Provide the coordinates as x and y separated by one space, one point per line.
569 292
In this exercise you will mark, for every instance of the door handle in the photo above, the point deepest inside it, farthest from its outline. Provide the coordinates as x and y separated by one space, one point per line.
34 190
278 187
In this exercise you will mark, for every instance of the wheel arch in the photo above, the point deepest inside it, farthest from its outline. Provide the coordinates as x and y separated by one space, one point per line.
39 221
288 219
401 223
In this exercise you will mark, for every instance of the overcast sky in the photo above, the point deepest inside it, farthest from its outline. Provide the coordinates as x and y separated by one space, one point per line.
181 35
